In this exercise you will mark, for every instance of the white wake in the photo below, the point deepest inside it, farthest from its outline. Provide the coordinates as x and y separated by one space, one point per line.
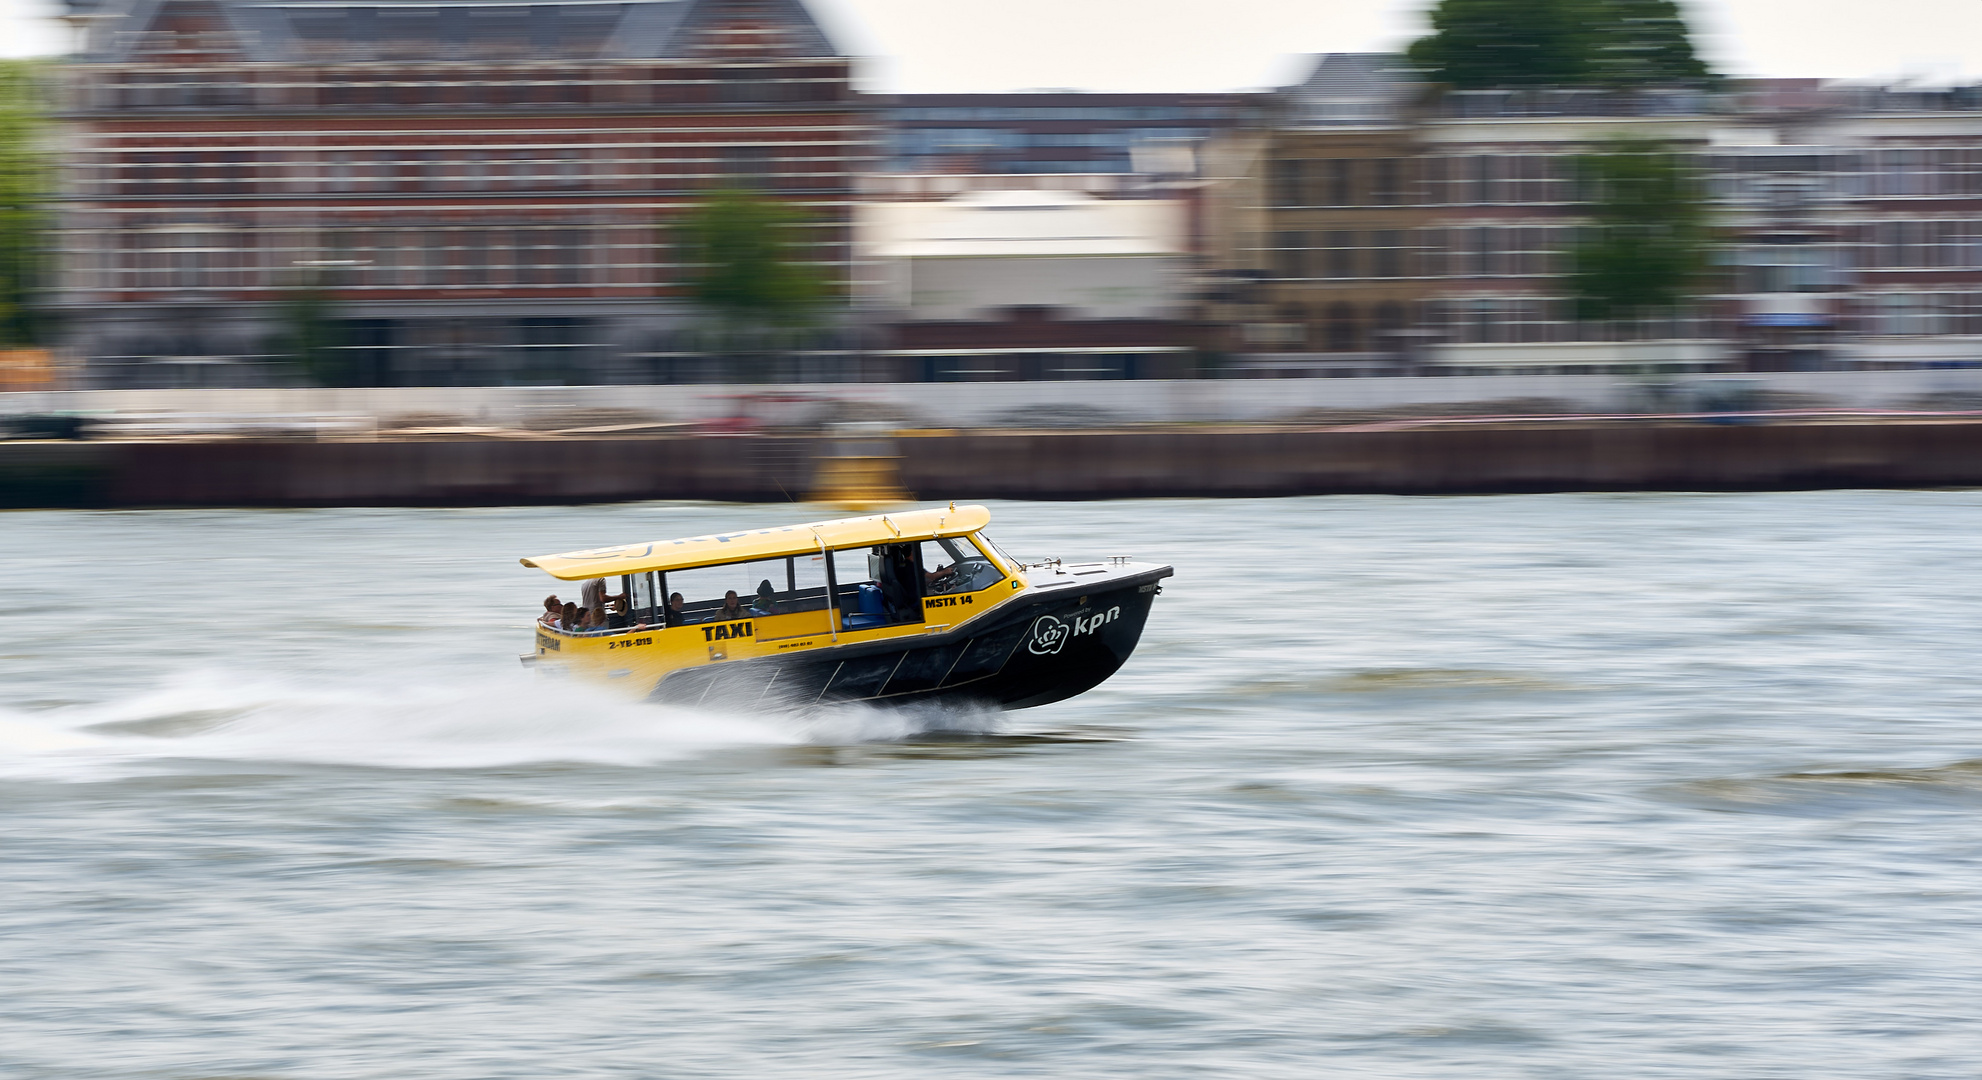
410 723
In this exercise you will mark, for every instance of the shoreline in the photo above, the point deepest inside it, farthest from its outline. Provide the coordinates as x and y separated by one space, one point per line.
1505 457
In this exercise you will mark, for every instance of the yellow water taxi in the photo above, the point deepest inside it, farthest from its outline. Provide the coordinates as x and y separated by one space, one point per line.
890 609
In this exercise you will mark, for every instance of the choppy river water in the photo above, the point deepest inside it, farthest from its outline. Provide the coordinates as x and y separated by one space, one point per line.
1553 786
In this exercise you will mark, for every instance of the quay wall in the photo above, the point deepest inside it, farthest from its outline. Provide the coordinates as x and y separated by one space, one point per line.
1431 460
1000 404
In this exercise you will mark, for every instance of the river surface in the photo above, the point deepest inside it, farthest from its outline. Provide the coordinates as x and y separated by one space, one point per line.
1560 786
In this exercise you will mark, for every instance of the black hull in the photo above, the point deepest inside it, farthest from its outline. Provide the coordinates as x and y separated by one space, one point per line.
1063 641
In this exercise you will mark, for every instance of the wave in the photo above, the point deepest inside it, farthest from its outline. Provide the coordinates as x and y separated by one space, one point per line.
1955 783
408 722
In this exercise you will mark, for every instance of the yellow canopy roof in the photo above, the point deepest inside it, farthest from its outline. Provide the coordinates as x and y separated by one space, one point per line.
762 543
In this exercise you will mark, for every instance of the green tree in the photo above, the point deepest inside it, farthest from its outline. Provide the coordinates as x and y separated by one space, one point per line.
746 254
309 334
24 181
1648 243
1477 44
1645 43
1488 44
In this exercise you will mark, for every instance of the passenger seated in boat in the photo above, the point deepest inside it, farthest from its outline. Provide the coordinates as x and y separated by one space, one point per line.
593 618
568 620
676 616
766 602
731 609
553 611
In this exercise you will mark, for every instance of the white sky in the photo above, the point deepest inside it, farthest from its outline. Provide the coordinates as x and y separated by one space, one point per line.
964 46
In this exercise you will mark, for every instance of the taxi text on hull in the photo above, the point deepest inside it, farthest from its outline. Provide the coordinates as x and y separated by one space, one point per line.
889 609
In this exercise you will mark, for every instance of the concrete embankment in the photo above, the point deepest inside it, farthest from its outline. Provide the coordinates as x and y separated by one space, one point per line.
1110 404
1435 459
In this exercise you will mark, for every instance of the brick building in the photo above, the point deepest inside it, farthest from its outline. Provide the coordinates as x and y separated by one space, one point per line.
1850 220
1865 207
1319 226
1375 229
1501 170
484 187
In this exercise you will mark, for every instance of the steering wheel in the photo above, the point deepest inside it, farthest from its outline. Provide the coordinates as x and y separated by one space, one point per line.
968 573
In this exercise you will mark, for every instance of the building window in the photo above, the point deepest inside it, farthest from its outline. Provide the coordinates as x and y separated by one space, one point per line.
187 257
411 259
1967 318
233 173
1561 184
1901 241
340 172
1432 261
1902 172
143 175
1342 258
1967 169
1485 174
1484 325
1287 182
1537 319
1341 182
1390 322
1486 261
1787 268
1888 246
747 166
1389 254
1528 251
1289 255
1431 177
1529 178
434 260
1389 182
1947 244
1911 314
1344 334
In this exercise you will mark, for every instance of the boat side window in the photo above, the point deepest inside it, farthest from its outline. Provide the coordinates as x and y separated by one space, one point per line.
780 586
878 586
640 593
955 565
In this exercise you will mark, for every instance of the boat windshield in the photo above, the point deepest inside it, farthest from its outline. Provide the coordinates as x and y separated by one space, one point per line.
956 565
1003 555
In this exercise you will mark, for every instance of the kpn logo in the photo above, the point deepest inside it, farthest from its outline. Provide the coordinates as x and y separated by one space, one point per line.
1050 635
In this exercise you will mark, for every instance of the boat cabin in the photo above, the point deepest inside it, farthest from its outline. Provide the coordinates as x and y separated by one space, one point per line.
789 583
